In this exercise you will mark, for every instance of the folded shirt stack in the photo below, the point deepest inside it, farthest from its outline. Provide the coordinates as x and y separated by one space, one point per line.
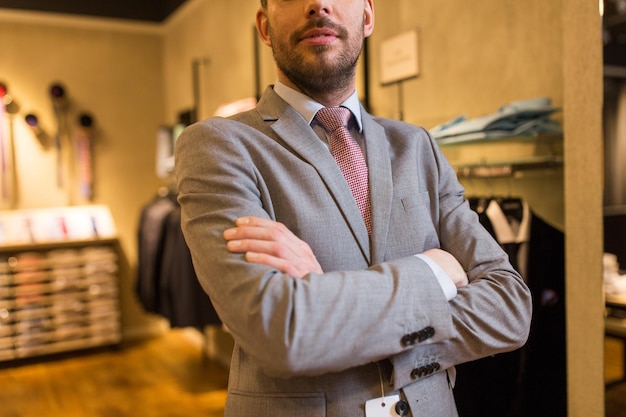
520 118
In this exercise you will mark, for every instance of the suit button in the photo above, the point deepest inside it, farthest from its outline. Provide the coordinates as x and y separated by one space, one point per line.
409 339
402 408
425 333
425 370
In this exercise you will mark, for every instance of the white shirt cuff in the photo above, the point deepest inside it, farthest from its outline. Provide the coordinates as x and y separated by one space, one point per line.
448 287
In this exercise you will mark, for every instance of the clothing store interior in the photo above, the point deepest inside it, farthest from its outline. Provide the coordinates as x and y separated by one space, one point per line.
101 313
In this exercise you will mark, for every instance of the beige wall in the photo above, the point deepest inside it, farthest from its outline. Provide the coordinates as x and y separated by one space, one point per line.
583 96
474 57
222 35
112 71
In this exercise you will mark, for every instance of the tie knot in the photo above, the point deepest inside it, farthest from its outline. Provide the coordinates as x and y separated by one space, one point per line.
332 118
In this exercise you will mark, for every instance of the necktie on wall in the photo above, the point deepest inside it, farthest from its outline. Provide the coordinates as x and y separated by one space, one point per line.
349 157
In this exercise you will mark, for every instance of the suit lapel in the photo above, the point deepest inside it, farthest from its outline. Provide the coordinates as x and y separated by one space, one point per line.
381 184
291 127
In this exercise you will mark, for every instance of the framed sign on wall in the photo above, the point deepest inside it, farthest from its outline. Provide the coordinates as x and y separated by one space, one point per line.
399 57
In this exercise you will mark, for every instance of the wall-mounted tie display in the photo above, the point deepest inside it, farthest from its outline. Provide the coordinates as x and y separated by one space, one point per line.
3 185
72 144
83 139
8 188
59 104
32 121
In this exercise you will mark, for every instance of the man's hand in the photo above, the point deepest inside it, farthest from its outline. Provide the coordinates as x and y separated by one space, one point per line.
270 243
450 266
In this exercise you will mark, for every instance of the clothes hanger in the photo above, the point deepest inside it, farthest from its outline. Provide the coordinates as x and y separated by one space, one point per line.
512 207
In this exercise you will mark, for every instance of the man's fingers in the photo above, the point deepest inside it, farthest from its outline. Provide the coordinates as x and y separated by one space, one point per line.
260 229
260 246
274 262
271 243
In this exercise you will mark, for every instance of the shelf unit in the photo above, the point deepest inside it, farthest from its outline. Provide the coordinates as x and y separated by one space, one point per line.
58 295
503 156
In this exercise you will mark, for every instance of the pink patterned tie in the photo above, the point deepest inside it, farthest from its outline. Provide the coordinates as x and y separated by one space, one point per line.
349 157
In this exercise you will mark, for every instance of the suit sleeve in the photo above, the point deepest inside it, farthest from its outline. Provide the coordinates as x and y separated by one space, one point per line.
492 314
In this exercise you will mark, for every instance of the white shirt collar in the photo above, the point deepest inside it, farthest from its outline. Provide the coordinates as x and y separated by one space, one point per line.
503 230
307 107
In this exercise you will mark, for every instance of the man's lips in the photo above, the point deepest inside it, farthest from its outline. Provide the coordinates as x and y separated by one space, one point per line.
320 36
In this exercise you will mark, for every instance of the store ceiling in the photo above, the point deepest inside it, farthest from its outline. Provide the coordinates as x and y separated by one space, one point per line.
139 10
156 11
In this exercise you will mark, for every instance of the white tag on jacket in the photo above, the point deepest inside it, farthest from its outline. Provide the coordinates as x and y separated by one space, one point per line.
382 407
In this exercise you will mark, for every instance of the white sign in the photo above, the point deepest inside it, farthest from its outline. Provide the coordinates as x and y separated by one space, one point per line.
399 57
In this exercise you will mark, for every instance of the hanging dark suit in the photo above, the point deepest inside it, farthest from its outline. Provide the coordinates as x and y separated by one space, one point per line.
166 281
528 382
183 301
544 384
150 241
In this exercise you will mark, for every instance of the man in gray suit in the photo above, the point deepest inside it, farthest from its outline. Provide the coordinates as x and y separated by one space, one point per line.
334 315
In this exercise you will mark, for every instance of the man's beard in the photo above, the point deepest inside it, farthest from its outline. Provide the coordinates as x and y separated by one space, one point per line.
324 76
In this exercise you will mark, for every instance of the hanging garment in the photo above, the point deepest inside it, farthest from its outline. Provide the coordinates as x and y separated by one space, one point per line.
510 218
150 241
544 380
529 381
166 281
183 301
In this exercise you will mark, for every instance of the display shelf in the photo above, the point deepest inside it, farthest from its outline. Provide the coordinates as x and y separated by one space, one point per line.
481 140
504 156
58 224
58 295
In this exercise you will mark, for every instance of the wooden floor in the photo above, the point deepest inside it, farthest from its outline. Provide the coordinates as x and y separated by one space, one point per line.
163 377
615 395
614 366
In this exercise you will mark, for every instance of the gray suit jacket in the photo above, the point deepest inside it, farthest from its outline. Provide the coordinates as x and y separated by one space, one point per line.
313 346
